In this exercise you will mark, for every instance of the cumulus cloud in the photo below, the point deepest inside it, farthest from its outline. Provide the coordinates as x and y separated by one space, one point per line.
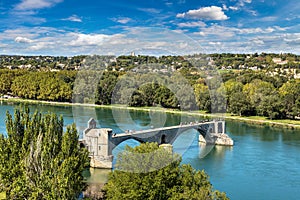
36 4
122 20
207 13
88 39
22 40
73 18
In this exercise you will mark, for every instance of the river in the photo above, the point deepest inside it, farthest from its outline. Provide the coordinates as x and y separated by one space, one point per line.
263 164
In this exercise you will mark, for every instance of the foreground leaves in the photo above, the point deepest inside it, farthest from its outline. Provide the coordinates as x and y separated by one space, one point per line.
171 181
38 160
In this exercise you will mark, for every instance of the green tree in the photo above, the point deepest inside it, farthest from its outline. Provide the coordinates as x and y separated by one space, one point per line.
202 97
239 104
271 106
290 95
5 82
38 160
165 97
106 87
255 92
150 172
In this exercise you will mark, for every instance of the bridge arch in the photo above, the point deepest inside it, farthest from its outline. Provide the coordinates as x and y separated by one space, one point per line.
163 139
130 141
116 142
164 136
101 142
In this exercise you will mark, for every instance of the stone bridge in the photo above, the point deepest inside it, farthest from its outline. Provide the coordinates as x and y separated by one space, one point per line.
101 142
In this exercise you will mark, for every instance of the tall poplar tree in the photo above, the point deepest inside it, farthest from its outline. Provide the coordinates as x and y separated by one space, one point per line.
38 160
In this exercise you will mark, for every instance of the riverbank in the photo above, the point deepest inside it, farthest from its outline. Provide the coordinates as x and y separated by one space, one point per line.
255 120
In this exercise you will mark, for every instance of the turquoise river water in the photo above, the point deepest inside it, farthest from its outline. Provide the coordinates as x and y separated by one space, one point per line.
264 163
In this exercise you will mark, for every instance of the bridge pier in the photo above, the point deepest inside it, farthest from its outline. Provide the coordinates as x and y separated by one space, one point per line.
218 137
167 147
97 142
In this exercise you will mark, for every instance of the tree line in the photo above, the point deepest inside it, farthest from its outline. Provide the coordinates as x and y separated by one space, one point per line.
127 62
242 92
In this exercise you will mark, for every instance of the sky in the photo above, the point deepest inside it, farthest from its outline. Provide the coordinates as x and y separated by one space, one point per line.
155 27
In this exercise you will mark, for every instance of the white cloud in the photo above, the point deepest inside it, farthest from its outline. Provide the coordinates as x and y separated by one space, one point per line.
73 18
257 41
227 33
207 13
215 43
23 40
255 30
150 10
46 41
122 20
41 45
243 2
240 4
36 4
292 38
24 16
221 31
88 39
169 4
233 8
225 7
268 19
281 28
191 24
211 38
12 34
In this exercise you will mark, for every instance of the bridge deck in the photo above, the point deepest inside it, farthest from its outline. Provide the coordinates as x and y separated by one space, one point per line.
133 132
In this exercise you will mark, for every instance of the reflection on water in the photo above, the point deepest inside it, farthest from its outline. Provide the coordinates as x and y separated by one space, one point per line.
205 149
93 175
218 152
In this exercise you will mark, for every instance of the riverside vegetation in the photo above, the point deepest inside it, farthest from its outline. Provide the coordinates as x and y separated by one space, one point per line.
268 92
39 161
157 181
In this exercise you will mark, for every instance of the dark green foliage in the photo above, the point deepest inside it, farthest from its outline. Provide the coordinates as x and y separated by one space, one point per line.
106 87
153 94
51 86
151 172
38 160
290 95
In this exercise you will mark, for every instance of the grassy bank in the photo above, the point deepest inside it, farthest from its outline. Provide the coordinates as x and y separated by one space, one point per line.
257 120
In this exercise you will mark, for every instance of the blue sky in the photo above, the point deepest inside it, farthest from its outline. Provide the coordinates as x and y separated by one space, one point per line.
72 27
